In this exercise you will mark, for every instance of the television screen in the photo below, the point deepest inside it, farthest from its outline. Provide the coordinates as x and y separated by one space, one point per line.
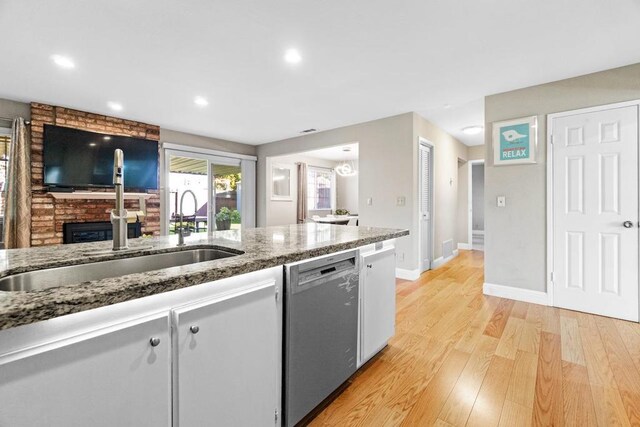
77 158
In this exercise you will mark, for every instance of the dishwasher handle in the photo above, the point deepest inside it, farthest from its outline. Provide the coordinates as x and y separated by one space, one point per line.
328 270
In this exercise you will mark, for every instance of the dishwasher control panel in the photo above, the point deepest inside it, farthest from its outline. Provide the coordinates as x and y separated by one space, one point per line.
317 273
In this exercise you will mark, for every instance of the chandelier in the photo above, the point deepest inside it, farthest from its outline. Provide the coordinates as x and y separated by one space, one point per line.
346 169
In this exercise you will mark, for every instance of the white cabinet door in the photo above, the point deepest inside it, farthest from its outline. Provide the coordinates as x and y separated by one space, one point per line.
227 359
378 302
109 377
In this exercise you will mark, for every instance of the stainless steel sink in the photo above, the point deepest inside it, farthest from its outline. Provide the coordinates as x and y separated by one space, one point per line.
74 274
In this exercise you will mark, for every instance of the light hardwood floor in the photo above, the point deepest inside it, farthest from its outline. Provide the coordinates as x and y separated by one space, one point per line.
461 358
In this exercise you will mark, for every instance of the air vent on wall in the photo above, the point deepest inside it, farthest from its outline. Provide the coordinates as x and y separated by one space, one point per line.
309 130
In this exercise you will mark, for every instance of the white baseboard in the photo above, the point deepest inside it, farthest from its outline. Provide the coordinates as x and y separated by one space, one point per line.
464 246
440 261
518 294
402 273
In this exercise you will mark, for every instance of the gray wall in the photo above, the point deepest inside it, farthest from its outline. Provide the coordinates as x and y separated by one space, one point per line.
477 197
388 169
386 159
473 153
175 137
515 236
13 109
448 153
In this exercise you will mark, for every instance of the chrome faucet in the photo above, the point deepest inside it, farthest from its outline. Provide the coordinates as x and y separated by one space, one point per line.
119 214
181 233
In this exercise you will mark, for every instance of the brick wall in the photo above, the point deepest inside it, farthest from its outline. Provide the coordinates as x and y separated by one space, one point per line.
48 214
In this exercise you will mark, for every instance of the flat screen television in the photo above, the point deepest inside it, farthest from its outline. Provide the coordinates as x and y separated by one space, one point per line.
78 158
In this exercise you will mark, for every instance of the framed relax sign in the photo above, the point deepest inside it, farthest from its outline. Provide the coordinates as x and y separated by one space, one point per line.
514 141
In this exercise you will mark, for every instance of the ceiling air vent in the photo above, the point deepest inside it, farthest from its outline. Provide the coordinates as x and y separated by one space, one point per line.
309 130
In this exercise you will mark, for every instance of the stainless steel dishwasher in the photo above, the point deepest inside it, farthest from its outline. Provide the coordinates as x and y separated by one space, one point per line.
321 331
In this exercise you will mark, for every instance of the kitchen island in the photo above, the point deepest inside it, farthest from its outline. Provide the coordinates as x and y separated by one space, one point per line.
195 344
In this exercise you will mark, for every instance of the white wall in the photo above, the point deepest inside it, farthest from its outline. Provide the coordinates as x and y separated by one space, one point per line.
477 195
515 239
347 191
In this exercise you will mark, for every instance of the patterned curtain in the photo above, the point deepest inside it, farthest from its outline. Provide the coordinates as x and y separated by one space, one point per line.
17 216
302 193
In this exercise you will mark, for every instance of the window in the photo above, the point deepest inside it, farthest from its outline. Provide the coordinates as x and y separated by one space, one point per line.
320 189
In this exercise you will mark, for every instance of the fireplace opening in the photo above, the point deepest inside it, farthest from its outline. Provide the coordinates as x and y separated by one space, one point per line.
82 232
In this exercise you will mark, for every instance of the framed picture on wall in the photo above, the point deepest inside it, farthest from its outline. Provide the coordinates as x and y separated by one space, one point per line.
515 141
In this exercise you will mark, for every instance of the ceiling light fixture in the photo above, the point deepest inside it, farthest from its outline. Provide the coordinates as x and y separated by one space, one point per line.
200 101
473 130
292 56
447 106
115 106
63 61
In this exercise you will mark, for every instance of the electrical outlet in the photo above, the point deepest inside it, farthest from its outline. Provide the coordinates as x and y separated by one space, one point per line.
401 201
400 256
501 201
370 201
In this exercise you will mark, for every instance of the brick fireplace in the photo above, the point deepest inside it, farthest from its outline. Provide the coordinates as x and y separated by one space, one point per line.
48 214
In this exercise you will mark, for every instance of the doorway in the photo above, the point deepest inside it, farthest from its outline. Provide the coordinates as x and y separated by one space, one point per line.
476 205
316 186
425 207
218 201
593 174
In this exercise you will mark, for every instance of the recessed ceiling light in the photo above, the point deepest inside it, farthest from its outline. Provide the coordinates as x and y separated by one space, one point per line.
200 101
115 106
292 56
92 144
473 130
63 61
106 138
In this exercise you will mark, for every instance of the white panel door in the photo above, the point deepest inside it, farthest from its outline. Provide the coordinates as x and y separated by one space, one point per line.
426 205
227 360
595 205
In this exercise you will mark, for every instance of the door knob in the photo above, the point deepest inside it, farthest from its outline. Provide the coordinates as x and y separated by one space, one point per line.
627 224
194 329
155 341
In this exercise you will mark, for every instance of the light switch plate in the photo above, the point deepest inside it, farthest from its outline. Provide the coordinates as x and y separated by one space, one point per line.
370 201
501 201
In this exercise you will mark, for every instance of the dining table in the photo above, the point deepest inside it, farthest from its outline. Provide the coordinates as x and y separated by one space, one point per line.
335 219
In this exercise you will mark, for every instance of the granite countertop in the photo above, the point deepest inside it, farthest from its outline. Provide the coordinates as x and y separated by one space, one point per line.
261 248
